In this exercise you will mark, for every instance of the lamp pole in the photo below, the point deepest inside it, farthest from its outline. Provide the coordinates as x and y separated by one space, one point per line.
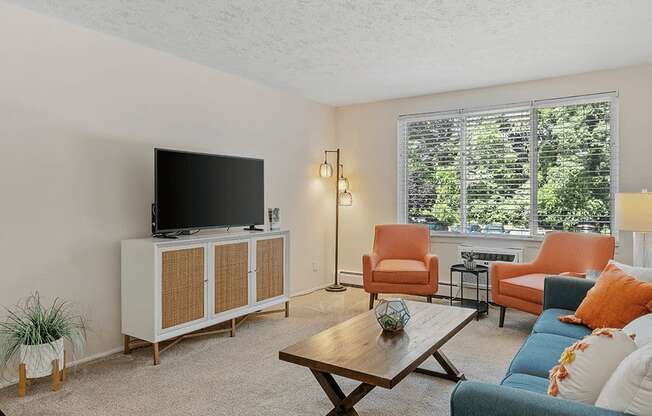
336 286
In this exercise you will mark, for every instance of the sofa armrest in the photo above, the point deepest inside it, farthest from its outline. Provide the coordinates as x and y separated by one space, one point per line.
472 398
565 292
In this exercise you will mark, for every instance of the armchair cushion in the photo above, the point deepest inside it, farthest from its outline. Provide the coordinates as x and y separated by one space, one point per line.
548 323
403 271
527 287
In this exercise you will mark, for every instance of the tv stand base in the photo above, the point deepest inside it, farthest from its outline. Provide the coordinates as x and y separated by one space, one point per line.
253 228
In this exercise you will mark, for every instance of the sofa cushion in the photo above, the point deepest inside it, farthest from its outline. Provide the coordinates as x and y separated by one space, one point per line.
401 271
528 287
616 299
548 323
526 382
539 354
629 388
585 366
641 329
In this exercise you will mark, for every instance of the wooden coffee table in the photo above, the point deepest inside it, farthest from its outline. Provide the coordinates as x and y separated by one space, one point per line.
358 349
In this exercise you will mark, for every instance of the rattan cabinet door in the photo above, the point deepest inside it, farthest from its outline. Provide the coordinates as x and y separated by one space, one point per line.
182 286
231 276
269 268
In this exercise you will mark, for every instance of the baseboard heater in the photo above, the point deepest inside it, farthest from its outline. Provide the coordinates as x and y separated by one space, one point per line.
350 278
485 256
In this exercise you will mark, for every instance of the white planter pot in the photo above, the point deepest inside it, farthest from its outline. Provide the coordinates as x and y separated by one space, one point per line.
38 358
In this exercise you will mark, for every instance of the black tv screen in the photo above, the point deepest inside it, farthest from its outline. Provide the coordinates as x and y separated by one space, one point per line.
195 191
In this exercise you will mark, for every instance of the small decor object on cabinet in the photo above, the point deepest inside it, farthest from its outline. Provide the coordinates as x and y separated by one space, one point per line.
274 215
392 314
469 260
33 334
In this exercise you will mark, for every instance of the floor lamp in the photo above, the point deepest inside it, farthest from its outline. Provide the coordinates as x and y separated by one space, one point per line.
342 198
634 213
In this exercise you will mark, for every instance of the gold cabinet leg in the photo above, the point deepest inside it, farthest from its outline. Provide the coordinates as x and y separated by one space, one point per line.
157 353
127 341
56 377
287 309
22 380
232 327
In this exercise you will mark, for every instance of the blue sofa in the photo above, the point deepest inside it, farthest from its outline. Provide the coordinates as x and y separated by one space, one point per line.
523 391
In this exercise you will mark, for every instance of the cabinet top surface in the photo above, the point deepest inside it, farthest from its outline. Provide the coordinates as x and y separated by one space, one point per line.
209 235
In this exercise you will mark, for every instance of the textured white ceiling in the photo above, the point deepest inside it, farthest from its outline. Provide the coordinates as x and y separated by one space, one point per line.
348 51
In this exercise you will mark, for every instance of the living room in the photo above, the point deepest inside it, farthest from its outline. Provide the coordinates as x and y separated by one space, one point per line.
457 133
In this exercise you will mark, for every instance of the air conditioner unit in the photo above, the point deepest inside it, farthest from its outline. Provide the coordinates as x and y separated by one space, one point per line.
487 255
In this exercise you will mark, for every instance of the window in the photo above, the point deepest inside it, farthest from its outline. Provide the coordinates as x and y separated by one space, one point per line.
520 169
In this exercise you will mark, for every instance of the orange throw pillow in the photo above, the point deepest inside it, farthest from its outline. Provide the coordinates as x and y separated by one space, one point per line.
614 301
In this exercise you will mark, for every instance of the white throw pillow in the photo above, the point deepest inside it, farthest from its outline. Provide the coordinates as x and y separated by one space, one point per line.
585 366
640 273
641 328
629 389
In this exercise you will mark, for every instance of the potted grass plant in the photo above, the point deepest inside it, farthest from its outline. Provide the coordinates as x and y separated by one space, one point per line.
34 334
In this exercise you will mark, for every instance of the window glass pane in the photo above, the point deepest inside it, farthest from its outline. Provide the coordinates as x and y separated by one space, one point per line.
433 173
498 172
474 169
573 170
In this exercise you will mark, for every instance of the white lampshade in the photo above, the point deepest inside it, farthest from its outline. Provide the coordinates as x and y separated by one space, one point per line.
634 211
342 184
346 199
325 170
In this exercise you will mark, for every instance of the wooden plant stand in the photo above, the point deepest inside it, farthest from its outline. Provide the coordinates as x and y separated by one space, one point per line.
58 376
132 343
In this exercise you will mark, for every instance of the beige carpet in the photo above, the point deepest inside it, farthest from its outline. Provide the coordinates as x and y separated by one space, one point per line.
243 376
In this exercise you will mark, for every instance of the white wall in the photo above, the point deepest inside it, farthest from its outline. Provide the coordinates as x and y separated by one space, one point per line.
367 135
80 113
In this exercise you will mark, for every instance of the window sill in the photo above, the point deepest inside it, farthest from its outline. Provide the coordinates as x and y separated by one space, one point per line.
506 237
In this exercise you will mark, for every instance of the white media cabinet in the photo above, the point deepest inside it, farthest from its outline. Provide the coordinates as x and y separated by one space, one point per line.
178 288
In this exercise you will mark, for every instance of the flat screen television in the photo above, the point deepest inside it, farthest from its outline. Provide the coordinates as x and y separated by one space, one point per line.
195 191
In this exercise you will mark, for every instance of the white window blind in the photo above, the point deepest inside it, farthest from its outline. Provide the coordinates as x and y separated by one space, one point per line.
574 166
433 173
498 171
519 169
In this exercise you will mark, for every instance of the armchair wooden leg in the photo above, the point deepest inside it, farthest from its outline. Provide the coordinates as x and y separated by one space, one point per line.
429 299
501 322
371 301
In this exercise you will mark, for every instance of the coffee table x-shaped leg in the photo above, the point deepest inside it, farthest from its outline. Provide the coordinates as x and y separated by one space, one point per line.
343 404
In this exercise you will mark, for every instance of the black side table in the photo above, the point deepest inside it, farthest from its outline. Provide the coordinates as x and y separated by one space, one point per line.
480 307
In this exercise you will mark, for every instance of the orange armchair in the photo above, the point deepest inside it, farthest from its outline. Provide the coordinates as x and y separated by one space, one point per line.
520 286
400 262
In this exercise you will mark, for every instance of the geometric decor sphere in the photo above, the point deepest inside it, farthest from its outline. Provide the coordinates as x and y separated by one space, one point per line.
392 314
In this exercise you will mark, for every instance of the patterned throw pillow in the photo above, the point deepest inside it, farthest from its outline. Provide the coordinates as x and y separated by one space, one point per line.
614 301
585 366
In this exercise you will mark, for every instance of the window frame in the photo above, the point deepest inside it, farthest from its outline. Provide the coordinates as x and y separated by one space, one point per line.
533 105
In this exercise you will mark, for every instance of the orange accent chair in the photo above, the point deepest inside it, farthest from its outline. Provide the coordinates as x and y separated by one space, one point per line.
401 262
520 285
